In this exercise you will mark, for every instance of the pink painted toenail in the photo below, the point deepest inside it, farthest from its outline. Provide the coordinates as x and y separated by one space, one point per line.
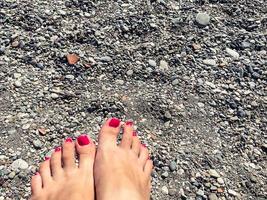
134 133
144 145
68 140
37 174
83 140
47 158
57 149
148 157
129 123
114 122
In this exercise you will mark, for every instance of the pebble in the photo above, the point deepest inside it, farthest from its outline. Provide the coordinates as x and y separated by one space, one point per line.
37 144
172 191
71 77
175 82
72 58
165 174
2 50
19 164
200 193
233 193
201 105
105 59
168 115
54 96
152 63
220 181
26 126
213 196
17 83
129 72
173 166
203 19
17 75
11 175
232 53
163 65
165 190
119 82
210 62
214 173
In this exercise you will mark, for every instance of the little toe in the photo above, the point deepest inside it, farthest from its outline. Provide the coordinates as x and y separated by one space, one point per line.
109 132
148 167
55 163
143 155
86 152
127 136
68 154
45 172
36 184
136 144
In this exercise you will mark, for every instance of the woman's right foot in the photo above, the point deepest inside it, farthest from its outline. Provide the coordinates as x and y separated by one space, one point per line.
121 171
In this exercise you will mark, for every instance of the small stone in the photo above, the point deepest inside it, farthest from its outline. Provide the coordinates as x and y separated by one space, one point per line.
11 175
2 50
220 181
119 82
210 62
26 126
37 144
17 75
72 59
233 193
214 173
167 115
163 65
105 59
175 82
232 53
40 65
213 196
165 174
196 46
152 63
129 72
42 131
203 19
173 166
19 164
71 77
201 105
54 96
165 190
15 43
172 191
253 178
200 193
17 83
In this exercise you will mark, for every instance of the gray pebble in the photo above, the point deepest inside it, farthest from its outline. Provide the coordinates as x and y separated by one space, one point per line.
175 82
168 115
11 175
210 62
165 190
18 83
232 53
173 166
2 50
152 63
19 164
71 77
214 173
163 65
105 59
37 144
165 174
203 19
129 72
213 196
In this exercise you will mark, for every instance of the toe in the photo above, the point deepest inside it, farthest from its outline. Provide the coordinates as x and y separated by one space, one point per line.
86 152
136 144
45 172
55 163
68 154
143 155
36 184
109 132
148 168
127 136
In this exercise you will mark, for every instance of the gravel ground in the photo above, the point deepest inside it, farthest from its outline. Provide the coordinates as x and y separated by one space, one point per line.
191 74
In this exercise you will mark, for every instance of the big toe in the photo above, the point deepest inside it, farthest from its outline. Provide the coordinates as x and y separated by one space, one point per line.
109 132
86 152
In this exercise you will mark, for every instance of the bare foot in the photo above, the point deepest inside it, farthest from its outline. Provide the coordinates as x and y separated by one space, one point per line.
121 171
59 178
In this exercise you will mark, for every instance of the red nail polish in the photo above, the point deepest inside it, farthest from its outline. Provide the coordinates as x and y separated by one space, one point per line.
47 158
57 149
148 157
114 122
134 133
37 174
68 140
83 140
129 123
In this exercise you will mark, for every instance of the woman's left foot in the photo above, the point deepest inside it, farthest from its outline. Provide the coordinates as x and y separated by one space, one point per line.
59 177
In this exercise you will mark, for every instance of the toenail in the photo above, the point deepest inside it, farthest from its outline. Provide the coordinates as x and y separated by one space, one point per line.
47 158
68 140
134 133
83 140
37 174
57 149
148 157
144 145
129 123
114 122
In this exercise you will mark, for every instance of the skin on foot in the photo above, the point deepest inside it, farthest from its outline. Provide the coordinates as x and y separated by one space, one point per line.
121 171
59 178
